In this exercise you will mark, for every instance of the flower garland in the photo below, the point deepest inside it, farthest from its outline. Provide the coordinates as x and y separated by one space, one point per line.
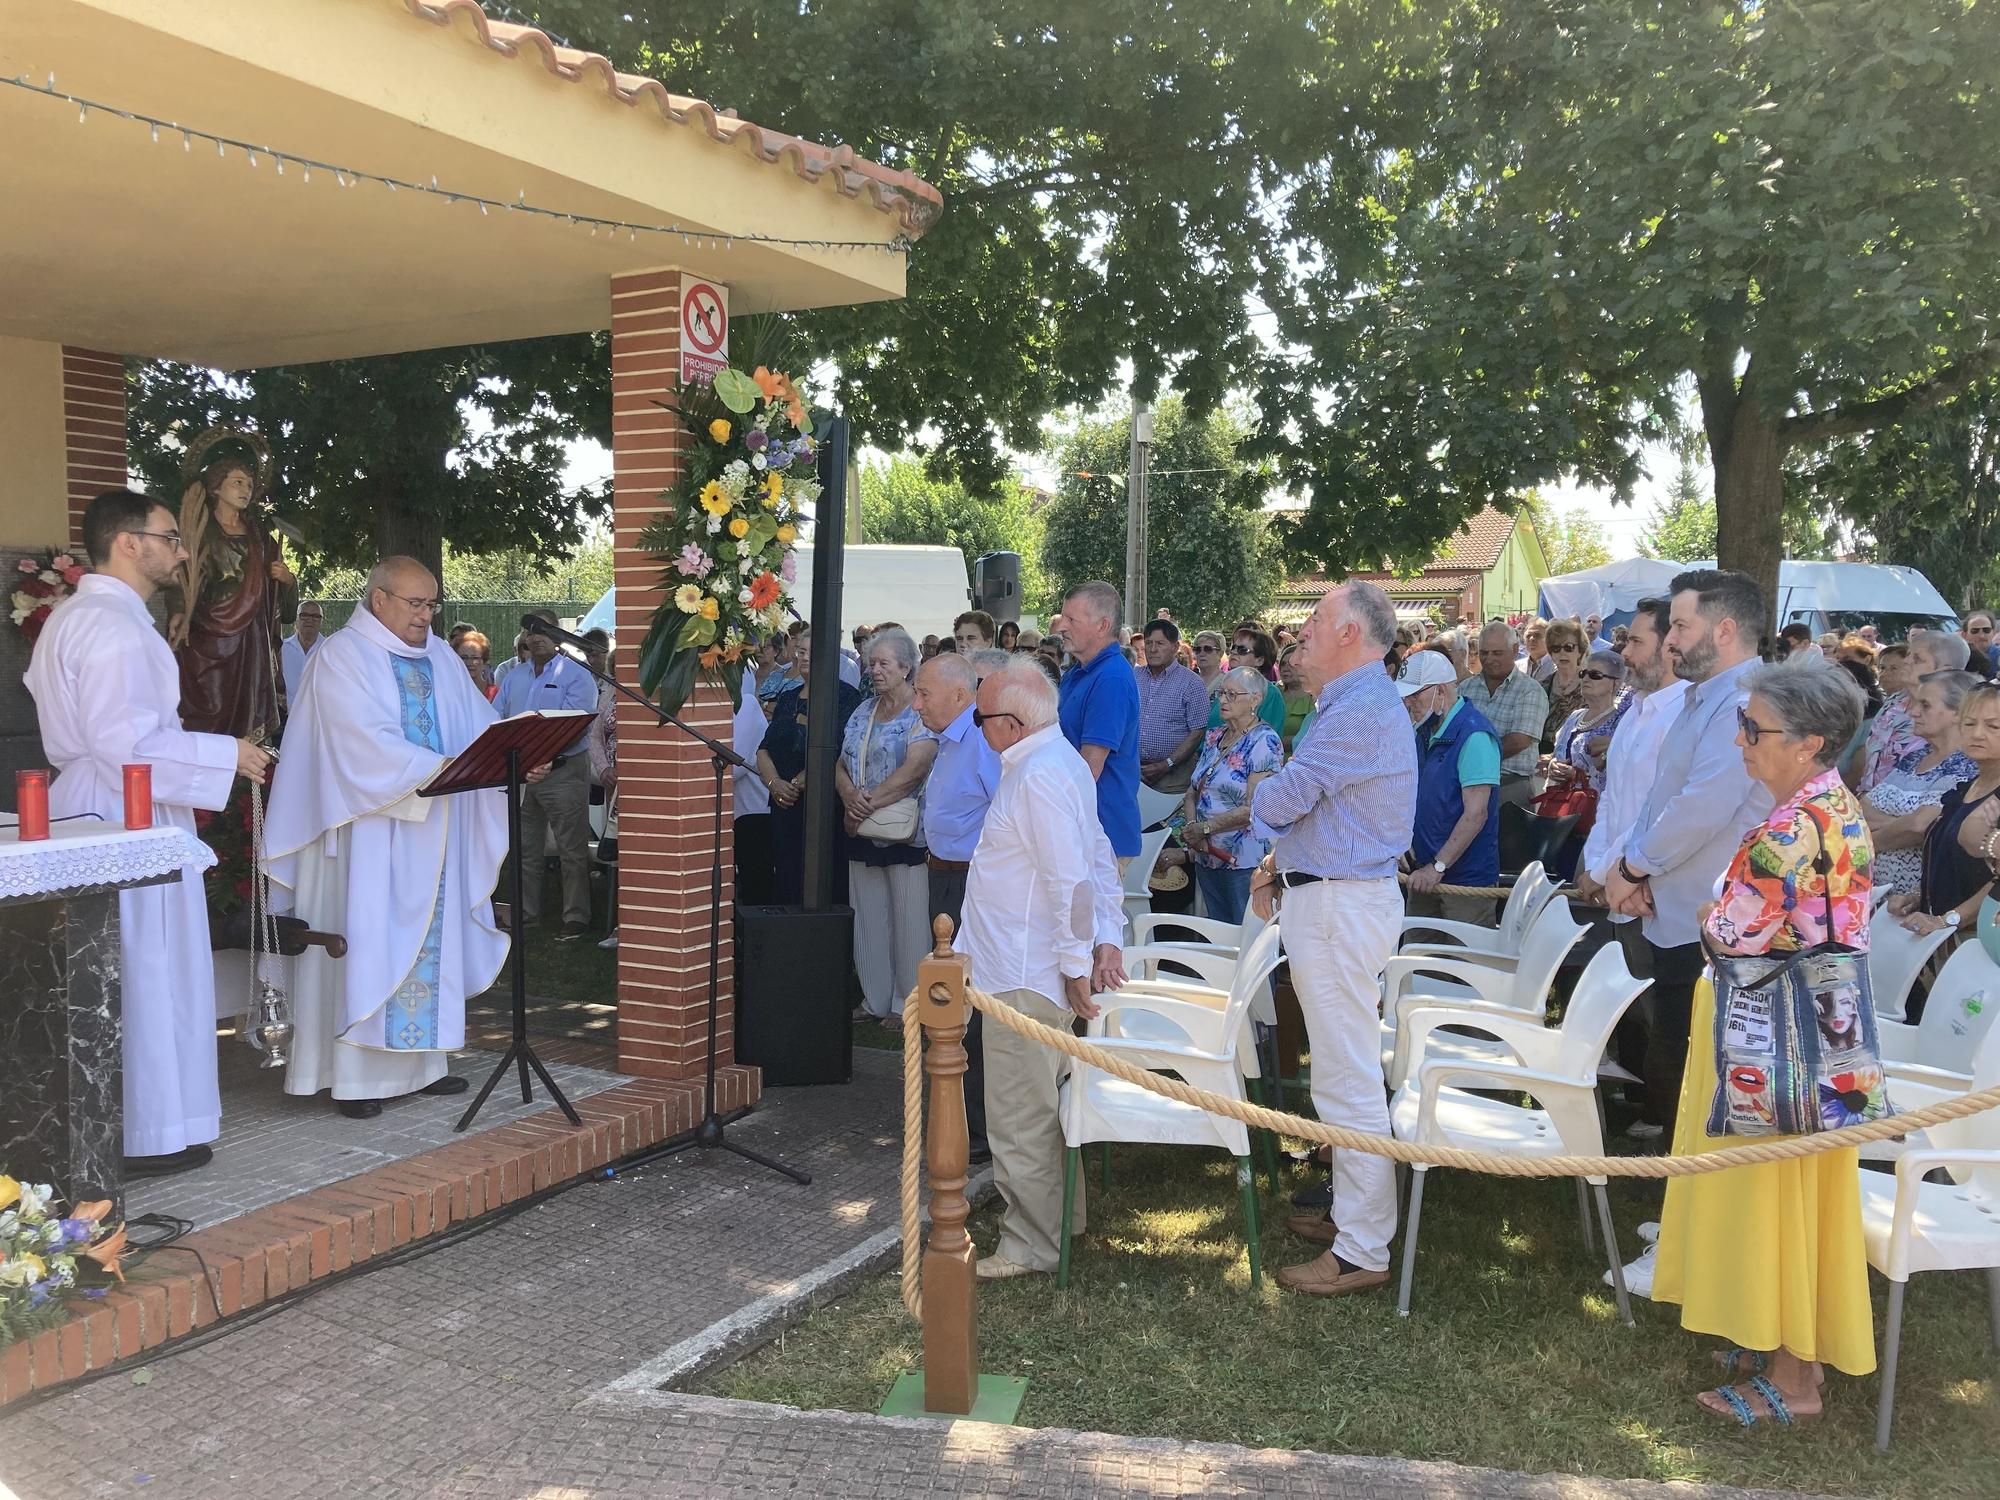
42 586
39 1251
726 539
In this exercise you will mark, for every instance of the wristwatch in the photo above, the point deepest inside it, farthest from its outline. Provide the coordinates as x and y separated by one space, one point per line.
1951 919
1438 865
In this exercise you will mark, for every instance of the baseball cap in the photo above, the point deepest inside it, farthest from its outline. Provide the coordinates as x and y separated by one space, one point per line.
1425 669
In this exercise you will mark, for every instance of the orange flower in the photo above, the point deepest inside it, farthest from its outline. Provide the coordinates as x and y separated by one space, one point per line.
107 1250
764 590
778 387
710 656
92 1211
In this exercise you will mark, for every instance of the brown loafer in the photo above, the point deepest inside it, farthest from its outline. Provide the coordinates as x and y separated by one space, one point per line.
1315 1227
1322 1277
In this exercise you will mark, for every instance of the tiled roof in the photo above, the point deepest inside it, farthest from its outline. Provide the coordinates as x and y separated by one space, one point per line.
915 202
1473 549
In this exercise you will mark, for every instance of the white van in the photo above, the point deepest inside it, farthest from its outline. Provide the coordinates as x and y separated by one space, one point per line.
923 589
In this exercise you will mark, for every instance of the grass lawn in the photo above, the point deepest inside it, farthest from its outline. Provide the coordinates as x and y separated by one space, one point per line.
1513 1355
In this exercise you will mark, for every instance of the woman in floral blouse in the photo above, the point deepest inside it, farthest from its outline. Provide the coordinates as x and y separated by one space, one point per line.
1216 830
1770 1257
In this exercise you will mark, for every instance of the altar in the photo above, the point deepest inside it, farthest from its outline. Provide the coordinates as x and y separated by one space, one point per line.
62 1108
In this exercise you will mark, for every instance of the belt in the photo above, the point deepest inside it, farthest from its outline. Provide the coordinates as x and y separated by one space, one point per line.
947 864
1290 878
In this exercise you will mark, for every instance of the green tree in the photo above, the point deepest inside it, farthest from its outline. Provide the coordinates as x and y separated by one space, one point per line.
1116 177
1925 493
1790 207
1681 527
1214 557
902 503
1572 540
403 453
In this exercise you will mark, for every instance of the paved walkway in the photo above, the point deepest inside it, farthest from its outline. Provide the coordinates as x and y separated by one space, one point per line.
489 1369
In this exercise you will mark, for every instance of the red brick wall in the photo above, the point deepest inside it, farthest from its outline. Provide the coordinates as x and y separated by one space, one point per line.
94 426
665 780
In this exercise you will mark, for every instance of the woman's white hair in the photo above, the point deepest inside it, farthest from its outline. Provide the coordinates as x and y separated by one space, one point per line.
1244 679
1023 689
900 645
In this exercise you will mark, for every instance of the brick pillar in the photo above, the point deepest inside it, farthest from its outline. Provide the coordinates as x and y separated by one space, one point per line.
665 779
94 430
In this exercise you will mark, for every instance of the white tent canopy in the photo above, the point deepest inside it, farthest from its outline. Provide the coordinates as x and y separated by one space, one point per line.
1806 590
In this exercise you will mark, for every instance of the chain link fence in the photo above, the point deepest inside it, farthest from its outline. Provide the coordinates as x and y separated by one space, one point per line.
499 620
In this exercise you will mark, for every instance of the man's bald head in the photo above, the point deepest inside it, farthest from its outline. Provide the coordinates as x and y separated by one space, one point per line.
403 594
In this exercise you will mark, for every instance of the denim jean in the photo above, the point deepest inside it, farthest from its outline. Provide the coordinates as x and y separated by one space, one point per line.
1225 894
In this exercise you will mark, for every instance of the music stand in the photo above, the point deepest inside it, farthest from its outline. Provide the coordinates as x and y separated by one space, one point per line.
495 760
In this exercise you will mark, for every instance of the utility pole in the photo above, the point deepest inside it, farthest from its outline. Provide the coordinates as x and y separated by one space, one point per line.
1135 515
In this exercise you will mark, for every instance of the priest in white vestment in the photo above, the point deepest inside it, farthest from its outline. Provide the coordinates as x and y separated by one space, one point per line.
351 848
107 694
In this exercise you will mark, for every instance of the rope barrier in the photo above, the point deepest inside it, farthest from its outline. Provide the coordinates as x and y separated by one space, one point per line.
1403 878
1413 1153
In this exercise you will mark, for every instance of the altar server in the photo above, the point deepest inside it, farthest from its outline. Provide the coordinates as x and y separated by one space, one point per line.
107 693
407 880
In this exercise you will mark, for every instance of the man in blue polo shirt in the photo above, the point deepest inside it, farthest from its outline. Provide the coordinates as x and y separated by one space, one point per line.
1456 840
1099 711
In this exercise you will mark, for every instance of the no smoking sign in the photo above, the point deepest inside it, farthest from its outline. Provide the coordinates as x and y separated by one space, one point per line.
704 330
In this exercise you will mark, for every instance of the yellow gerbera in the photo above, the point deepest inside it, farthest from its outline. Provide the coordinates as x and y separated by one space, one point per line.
715 499
687 599
774 490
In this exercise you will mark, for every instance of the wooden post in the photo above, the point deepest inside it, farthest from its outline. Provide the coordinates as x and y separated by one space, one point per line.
951 1337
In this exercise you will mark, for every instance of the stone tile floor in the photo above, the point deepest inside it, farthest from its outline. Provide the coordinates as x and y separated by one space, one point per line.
274 1146
491 1367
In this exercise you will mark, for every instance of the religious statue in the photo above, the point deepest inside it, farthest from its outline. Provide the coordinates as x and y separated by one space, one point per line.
232 594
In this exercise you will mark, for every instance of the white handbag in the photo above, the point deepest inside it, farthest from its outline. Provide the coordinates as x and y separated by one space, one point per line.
896 823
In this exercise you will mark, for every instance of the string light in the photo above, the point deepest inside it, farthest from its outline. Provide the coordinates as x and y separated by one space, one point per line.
349 176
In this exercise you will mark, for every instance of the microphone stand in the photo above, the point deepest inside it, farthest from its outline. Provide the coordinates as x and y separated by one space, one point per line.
709 1132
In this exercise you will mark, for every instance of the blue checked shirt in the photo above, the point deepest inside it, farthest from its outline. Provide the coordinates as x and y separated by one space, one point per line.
561 684
1345 804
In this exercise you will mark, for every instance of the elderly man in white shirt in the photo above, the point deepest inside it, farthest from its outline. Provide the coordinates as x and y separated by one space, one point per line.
1044 917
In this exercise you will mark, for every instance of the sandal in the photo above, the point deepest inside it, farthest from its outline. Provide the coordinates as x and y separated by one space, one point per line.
1747 1415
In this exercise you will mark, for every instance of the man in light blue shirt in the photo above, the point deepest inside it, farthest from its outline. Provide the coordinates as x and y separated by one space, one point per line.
550 681
1701 803
963 778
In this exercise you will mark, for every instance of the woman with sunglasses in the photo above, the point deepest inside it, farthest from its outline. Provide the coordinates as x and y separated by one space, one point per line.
1211 658
1951 883
1565 642
1585 737
1255 650
1770 1257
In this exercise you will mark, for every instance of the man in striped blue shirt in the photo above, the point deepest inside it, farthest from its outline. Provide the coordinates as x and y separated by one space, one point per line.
1342 811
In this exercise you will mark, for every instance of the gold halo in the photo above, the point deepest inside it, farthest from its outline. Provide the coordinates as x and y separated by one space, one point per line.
197 455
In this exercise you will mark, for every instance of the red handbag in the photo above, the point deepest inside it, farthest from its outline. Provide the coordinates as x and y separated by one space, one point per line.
1575 800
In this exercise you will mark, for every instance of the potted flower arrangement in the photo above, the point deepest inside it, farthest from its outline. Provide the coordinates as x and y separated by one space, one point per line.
40 587
39 1254
725 539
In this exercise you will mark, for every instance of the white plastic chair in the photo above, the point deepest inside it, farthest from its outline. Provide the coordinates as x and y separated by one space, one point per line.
1156 806
1169 1027
1139 895
1942 1047
1532 890
1896 956
1557 1068
1519 984
1911 1225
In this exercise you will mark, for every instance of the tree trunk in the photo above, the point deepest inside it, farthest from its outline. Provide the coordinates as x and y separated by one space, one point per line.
406 530
1748 451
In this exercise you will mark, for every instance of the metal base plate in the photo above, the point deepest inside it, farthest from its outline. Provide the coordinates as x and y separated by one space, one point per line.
999 1400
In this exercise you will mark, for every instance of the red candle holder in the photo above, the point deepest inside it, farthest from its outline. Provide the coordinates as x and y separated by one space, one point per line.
31 801
138 797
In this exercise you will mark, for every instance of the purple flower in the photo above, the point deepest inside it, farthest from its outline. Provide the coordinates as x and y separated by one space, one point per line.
76 1231
693 562
780 457
790 571
755 439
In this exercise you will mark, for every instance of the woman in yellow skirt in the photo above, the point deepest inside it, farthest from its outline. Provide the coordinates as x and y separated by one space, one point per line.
1770 1257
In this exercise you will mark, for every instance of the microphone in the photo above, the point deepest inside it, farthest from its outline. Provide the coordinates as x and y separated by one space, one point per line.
536 625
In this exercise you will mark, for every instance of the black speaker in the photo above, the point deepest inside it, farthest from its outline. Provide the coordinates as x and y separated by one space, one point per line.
996 586
792 1015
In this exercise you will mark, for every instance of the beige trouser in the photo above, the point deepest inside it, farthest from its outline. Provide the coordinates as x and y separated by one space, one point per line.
1477 911
560 802
1024 1132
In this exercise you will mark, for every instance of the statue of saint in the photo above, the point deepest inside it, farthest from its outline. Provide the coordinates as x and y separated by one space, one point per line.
231 596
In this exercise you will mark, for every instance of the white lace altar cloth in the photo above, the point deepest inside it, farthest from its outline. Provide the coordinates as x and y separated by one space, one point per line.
87 853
